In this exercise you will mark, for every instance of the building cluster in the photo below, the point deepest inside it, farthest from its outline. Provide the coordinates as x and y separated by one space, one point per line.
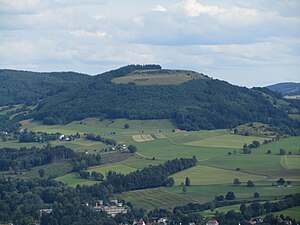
113 208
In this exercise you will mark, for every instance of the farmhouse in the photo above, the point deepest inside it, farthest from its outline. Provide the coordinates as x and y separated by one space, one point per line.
112 209
212 222
140 222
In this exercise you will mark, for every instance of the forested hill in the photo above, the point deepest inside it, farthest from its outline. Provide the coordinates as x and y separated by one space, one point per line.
17 87
192 105
286 89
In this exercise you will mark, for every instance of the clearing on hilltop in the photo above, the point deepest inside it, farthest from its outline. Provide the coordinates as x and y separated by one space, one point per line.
159 77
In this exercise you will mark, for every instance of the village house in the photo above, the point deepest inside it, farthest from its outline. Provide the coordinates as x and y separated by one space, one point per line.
140 222
212 222
162 221
111 209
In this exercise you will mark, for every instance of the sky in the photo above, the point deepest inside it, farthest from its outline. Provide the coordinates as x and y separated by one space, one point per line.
248 43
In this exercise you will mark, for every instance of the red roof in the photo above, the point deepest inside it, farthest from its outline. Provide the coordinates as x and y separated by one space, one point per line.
212 222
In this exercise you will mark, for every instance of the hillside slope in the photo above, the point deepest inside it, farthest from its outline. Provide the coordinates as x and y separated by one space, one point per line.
27 87
192 105
286 89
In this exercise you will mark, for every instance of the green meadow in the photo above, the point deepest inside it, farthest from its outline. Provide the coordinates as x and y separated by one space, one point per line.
225 141
219 153
204 175
169 197
73 179
292 213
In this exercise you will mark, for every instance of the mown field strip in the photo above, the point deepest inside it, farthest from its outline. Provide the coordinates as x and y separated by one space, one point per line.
204 175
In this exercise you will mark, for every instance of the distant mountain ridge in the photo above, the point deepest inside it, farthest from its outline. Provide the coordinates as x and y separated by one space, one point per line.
286 88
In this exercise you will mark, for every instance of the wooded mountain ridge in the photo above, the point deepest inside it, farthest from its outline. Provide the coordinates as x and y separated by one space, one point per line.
286 88
192 105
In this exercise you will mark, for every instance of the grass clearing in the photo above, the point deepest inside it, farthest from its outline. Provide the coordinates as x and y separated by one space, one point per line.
291 212
252 162
204 175
158 77
173 196
290 162
142 138
291 144
113 129
51 170
73 179
118 168
226 141
140 162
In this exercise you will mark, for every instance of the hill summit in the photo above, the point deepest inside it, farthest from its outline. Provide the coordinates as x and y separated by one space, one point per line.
132 92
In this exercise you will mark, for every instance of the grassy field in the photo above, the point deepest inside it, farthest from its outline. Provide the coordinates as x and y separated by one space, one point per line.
158 77
73 179
290 162
125 166
118 168
225 141
292 212
291 144
16 144
170 197
51 170
203 175
212 176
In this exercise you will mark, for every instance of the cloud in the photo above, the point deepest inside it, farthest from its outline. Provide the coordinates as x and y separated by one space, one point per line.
86 34
194 8
18 6
159 8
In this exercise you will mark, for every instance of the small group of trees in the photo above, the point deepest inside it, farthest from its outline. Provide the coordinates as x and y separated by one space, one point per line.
106 141
30 136
247 149
281 182
237 182
132 148
95 175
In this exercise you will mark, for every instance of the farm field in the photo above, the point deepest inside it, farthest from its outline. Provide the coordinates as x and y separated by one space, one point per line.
126 166
172 196
72 179
225 141
51 170
203 175
292 212
118 168
16 144
290 162
218 152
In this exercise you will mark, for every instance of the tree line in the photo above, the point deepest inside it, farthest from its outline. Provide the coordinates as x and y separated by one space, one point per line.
26 158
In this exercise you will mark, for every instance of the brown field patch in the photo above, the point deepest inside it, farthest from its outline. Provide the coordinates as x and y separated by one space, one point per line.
142 138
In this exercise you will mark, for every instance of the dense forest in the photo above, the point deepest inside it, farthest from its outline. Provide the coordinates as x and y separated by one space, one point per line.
193 105
27 158
19 87
22 200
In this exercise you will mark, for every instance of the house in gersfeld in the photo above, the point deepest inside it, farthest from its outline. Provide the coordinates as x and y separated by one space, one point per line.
212 222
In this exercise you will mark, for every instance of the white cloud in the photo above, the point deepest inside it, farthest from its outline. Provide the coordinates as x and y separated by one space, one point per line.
194 8
18 5
159 8
86 34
